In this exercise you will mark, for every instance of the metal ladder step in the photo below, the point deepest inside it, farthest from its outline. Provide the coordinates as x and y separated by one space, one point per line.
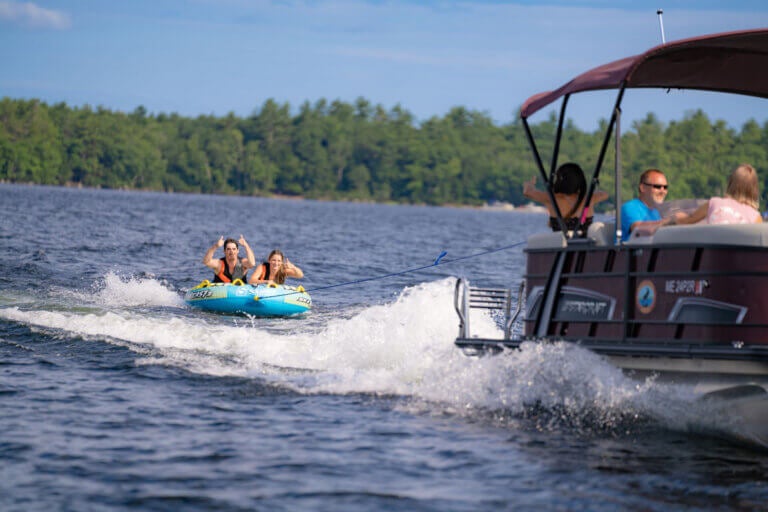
468 297
489 298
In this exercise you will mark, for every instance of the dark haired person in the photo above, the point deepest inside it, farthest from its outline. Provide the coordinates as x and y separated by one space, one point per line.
570 190
231 267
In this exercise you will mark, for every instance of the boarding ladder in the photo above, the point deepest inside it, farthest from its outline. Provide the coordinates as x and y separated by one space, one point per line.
467 297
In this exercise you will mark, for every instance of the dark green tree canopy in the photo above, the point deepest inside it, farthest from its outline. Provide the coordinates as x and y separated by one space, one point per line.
360 151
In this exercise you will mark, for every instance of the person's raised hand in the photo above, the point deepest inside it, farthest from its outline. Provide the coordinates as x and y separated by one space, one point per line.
529 186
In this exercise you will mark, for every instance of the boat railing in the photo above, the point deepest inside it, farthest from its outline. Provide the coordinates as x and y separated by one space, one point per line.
467 297
603 234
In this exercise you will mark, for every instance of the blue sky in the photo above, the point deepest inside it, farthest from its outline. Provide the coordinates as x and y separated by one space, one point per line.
197 57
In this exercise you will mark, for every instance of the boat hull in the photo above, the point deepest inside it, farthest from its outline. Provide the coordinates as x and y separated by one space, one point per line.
688 291
686 306
261 300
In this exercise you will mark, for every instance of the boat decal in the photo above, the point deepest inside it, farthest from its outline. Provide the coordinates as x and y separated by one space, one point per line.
299 300
646 296
586 309
686 286
242 291
213 292
575 304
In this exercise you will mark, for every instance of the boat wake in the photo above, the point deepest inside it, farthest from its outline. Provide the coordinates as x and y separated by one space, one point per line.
400 349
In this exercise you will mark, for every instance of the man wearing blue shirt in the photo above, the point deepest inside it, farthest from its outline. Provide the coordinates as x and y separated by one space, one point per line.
641 216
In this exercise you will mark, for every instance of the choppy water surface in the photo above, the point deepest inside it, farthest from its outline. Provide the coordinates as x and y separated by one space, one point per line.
114 395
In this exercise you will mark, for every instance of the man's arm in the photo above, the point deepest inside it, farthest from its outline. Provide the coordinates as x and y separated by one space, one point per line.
208 260
250 260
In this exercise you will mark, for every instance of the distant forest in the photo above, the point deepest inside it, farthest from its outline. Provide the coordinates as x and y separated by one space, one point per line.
336 150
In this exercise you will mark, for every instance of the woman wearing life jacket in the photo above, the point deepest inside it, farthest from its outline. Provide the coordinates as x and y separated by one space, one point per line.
230 267
275 270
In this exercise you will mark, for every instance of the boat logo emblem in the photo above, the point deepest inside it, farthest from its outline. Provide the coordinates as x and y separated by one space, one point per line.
646 296
241 291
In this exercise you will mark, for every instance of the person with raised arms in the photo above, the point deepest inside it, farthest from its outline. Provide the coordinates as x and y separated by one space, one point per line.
569 187
230 268
275 270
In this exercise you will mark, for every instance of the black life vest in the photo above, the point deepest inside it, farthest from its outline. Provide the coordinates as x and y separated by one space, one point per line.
224 276
571 223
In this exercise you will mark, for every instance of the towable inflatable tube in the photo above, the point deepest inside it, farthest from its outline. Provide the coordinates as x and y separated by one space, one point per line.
259 300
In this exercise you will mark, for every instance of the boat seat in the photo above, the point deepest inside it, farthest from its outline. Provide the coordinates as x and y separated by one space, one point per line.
603 233
636 239
755 235
549 240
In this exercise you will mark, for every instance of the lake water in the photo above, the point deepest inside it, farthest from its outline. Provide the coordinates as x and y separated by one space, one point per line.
114 395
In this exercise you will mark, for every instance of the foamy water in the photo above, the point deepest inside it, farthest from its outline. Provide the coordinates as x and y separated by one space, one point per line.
402 348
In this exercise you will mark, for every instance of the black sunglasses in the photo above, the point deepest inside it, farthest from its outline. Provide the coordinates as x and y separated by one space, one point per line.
656 186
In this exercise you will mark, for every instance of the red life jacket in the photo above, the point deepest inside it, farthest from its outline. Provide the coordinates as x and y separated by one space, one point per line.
265 271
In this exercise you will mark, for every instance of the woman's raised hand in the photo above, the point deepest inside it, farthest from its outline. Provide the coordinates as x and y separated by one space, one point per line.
529 186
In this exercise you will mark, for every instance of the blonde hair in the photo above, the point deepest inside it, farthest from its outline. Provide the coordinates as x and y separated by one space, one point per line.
281 272
742 186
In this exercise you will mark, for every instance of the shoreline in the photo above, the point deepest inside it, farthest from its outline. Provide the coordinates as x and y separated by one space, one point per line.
496 206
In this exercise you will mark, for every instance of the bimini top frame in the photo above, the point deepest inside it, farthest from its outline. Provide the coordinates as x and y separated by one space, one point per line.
730 62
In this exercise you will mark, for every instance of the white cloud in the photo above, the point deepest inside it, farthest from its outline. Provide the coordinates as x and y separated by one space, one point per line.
31 15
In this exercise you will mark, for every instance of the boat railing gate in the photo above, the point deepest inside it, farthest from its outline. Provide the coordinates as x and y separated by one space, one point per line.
468 297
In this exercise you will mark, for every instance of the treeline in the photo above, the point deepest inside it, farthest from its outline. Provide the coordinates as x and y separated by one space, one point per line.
348 151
